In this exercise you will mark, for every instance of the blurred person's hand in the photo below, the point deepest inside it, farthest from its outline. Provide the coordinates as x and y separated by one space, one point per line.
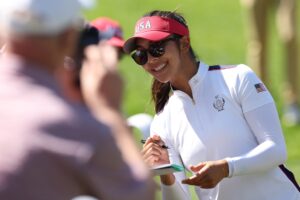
111 56
101 84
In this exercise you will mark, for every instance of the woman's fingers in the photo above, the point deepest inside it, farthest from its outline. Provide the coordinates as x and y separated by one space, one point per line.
153 153
208 174
152 160
152 150
196 168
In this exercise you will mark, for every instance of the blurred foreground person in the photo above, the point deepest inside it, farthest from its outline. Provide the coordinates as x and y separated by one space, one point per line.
219 122
51 148
90 77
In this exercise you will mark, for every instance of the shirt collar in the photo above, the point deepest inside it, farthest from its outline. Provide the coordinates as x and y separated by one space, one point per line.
196 79
199 76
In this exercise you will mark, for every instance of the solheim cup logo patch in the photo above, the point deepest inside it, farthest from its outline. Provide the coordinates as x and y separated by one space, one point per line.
219 103
143 25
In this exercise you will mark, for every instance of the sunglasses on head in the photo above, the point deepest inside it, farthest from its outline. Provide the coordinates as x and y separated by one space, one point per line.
155 49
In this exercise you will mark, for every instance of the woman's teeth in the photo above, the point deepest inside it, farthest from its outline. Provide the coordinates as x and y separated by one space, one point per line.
160 67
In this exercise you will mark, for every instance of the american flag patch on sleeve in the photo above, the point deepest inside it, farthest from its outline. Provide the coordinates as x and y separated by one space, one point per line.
260 87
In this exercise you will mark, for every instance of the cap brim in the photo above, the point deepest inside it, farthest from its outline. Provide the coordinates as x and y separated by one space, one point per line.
130 45
117 42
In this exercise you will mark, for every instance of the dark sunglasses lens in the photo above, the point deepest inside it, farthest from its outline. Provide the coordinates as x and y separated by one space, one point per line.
156 50
140 57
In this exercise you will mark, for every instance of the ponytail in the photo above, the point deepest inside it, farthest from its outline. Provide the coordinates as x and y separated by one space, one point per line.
160 94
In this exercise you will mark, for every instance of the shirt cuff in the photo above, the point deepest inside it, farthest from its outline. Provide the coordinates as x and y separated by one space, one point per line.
230 167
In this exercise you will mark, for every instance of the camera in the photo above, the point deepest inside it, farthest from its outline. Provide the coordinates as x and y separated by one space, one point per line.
88 36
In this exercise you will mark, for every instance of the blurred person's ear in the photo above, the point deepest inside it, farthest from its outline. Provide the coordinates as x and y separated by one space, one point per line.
67 41
67 78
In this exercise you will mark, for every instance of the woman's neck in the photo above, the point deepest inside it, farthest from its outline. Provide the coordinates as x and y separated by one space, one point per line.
181 81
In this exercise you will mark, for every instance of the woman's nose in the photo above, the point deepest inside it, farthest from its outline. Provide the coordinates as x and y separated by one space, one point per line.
151 59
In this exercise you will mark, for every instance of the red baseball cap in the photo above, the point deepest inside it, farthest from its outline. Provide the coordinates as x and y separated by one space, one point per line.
154 28
109 30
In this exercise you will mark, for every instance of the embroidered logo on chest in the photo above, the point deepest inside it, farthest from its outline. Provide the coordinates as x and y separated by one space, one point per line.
219 103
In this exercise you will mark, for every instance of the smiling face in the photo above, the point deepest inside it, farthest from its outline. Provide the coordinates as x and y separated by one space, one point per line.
165 67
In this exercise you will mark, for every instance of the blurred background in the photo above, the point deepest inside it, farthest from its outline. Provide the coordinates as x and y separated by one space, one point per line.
218 30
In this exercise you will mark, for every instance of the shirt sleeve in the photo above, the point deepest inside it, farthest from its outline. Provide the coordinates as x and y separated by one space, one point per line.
251 91
174 192
177 191
271 149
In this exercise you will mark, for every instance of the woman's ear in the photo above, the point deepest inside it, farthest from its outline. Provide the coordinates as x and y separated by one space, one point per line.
185 44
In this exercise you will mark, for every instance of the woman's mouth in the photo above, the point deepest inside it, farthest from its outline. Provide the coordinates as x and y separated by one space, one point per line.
159 67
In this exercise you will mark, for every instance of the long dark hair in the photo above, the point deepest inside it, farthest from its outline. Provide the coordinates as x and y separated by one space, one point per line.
161 91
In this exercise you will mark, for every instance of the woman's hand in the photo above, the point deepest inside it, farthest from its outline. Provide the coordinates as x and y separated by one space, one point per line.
153 153
208 174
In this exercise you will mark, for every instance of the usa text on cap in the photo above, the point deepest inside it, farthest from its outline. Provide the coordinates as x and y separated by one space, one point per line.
155 28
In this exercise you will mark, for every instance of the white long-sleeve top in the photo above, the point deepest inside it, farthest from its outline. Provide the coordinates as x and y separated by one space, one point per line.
232 116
